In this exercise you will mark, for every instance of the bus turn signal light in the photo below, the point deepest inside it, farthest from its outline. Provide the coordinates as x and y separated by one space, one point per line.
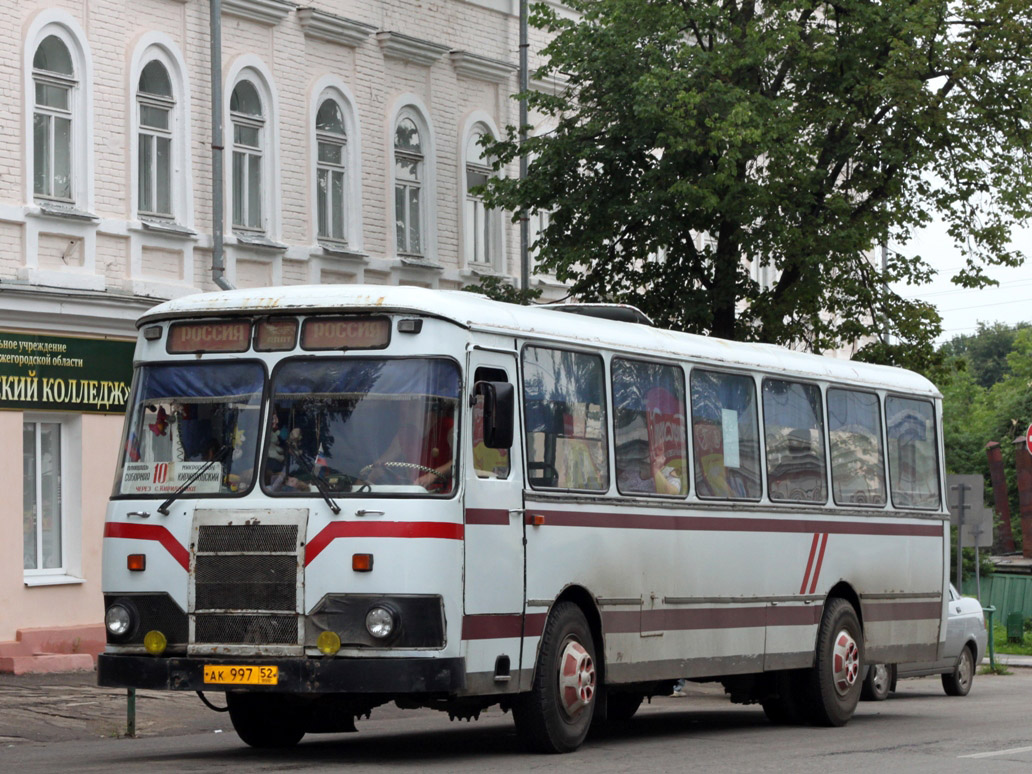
362 562
136 562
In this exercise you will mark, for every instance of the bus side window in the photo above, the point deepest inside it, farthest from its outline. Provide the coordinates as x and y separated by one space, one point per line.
565 418
725 436
857 458
913 466
793 427
487 462
650 430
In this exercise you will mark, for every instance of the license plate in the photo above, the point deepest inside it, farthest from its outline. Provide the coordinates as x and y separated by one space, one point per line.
241 675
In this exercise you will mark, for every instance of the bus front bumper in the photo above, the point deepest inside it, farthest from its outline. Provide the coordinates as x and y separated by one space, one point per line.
394 676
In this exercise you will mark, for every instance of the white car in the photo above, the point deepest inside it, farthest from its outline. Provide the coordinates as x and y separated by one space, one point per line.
966 639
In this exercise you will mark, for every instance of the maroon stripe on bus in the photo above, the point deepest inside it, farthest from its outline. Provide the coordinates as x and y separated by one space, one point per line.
613 520
495 516
902 611
380 529
118 529
496 627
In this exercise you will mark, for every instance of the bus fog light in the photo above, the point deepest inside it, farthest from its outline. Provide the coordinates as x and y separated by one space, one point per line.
328 643
119 620
380 622
154 642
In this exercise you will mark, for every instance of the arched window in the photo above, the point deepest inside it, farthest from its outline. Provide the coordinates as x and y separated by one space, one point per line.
156 104
248 120
408 187
331 172
54 78
481 240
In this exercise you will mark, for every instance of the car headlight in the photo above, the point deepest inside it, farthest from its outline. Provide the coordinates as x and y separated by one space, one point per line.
381 622
119 620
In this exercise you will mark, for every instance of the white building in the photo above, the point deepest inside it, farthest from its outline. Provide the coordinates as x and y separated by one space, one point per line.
349 140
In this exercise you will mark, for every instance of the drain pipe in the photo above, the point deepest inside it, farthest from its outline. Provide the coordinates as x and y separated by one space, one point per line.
218 262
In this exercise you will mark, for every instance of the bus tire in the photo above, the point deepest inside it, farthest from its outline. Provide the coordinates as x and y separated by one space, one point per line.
266 720
834 681
555 715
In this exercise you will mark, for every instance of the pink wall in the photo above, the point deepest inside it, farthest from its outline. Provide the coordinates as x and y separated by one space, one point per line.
73 604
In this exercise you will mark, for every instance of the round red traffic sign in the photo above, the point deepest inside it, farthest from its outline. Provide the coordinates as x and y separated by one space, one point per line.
1028 439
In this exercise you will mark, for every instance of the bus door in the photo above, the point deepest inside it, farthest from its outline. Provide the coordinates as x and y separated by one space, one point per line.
494 577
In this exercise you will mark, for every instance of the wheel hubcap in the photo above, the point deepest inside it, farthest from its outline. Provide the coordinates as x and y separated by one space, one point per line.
576 678
845 662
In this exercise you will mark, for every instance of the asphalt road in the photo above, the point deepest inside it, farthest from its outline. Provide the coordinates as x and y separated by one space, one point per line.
67 725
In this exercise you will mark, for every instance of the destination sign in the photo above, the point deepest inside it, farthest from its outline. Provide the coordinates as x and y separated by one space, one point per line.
345 333
210 336
168 477
277 335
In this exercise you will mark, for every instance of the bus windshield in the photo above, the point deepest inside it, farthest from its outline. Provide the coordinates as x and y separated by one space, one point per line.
362 425
182 417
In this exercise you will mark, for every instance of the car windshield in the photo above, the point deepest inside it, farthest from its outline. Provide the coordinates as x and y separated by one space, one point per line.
196 419
362 426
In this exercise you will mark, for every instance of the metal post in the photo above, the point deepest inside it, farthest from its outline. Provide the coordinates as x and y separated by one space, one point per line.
524 85
130 714
218 263
992 638
961 490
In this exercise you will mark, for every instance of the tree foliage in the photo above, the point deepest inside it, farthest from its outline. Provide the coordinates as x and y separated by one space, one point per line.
974 414
699 144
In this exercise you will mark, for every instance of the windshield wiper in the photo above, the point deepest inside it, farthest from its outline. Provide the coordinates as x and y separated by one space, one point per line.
163 508
325 492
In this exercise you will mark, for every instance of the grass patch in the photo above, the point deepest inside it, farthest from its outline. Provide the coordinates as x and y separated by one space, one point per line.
1023 648
999 669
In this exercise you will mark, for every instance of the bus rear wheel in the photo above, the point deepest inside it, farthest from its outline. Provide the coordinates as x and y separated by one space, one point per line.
266 720
555 716
834 681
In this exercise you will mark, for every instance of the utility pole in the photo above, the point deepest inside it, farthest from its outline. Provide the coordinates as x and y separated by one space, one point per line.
524 85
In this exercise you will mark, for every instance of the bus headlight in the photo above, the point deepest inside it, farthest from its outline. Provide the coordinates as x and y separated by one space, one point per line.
154 642
381 622
119 620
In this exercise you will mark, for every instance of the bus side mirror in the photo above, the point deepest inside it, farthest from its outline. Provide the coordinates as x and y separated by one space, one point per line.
499 403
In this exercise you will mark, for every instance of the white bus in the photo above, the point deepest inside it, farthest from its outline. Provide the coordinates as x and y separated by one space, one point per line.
329 498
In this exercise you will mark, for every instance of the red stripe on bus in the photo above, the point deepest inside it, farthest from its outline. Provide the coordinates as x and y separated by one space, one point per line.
119 529
494 516
820 561
496 627
384 529
809 562
612 520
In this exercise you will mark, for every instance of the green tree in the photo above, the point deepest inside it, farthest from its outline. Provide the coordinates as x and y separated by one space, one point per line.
986 351
699 139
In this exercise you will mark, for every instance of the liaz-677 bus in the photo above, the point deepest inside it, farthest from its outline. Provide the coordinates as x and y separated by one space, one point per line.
330 498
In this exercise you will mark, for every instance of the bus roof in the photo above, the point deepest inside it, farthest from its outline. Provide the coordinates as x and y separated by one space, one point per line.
477 312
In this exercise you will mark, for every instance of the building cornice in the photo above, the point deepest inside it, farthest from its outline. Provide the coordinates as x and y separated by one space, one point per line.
333 28
409 49
269 12
481 68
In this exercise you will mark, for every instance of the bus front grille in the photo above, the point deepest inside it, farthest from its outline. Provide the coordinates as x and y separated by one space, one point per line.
256 629
247 582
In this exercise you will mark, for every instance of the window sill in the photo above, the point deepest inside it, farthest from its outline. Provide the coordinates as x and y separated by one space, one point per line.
419 263
163 227
72 277
260 241
53 580
339 250
62 212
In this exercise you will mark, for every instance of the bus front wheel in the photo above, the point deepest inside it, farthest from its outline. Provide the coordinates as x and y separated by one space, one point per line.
834 681
554 717
265 719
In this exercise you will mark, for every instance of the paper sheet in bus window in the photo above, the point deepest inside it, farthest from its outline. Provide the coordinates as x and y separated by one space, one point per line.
729 424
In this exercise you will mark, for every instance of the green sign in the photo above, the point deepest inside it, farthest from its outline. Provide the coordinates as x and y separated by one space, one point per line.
64 373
